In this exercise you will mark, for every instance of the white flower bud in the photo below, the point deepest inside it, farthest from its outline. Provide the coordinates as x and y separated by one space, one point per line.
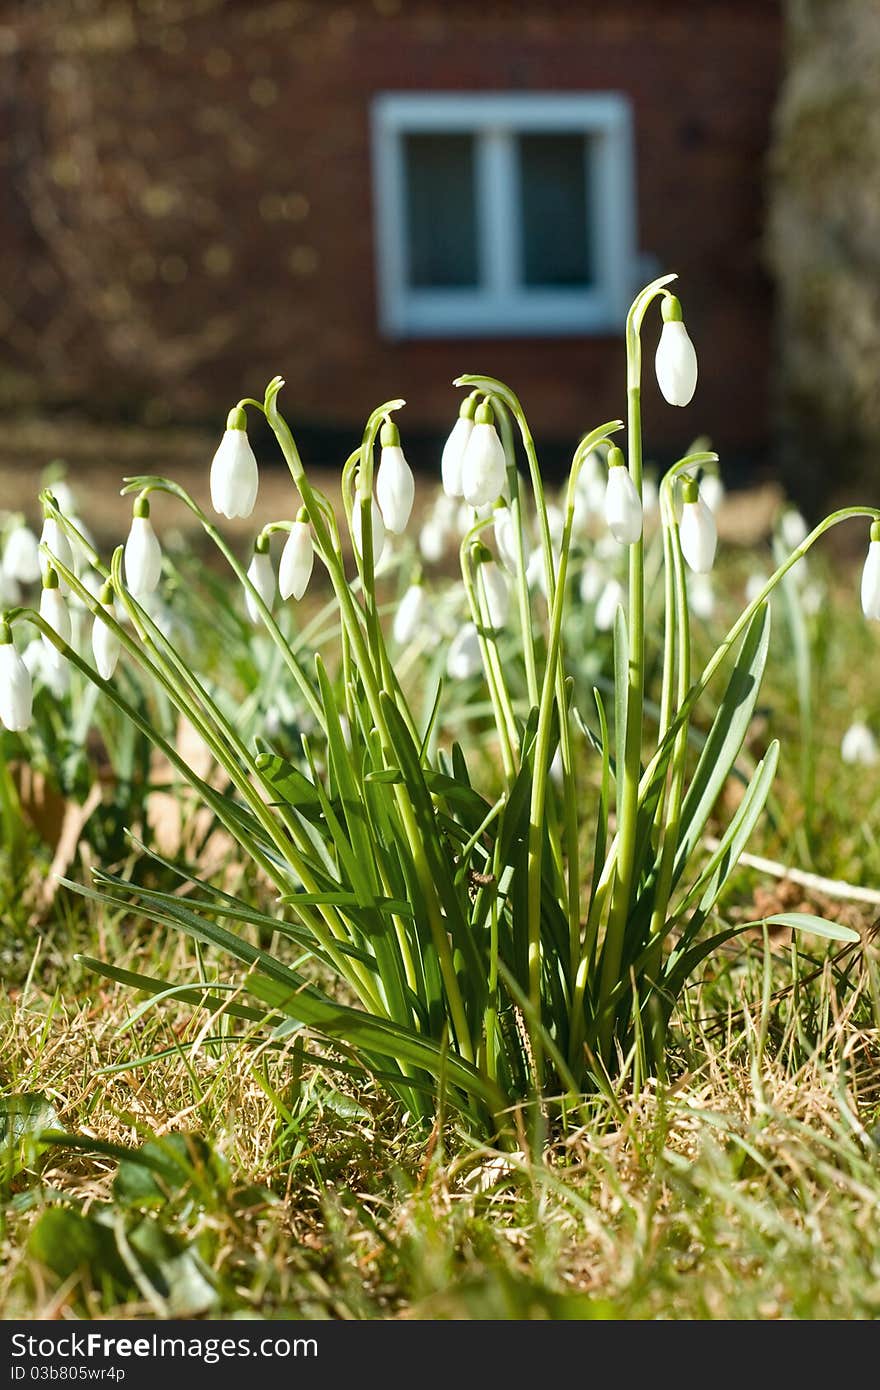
592 580
697 532
452 458
610 599
464 660
297 562
701 596
410 615
675 361
859 745
143 554
234 474
395 485
16 690
262 576
496 593
484 466
712 491
793 530
871 577
623 509
433 538
106 647
54 538
54 611
504 528
378 527
21 556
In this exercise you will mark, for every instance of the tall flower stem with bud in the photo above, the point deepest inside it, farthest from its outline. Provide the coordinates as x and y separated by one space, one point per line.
628 778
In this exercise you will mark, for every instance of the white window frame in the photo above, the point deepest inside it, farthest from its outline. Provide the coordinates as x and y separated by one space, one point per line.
501 304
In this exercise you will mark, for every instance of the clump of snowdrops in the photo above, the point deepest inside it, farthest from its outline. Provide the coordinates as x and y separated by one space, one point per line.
512 950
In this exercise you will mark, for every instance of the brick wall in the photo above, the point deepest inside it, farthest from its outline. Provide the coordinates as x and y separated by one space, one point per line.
189 201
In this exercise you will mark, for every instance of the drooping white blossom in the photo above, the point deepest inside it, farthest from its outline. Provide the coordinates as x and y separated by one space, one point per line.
297 561
395 484
697 531
410 615
675 361
143 553
21 556
623 509
235 478
262 576
16 691
859 746
463 659
484 466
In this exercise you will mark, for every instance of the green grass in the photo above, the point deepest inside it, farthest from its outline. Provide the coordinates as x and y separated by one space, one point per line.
747 1187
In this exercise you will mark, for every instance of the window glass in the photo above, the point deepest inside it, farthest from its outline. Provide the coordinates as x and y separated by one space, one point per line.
440 210
555 243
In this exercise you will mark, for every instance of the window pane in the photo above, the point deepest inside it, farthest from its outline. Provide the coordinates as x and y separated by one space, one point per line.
440 210
553 210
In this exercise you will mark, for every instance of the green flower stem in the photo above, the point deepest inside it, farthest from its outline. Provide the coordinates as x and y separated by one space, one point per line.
499 696
351 617
524 606
672 806
157 484
552 686
612 951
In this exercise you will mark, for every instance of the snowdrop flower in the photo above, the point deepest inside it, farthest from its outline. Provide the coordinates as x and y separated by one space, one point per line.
555 524
54 676
65 498
701 596
54 538
452 457
675 361
813 597
234 474
106 646
792 528
410 615
504 528
871 576
495 590
463 660
262 576
712 491
395 484
377 526
21 556
590 485
859 745
755 585
697 532
650 495
16 691
432 541
297 560
536 574
623 509
54 611
484 466
610 599
143 554
592 580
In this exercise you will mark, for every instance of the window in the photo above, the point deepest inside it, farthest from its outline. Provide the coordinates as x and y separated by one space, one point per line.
502 214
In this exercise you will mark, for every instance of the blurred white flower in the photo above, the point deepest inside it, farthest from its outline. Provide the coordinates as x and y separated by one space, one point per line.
463 660
792 528
701 596
623 510
496 593
859 745
21 556
610 599
410 615
592 580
